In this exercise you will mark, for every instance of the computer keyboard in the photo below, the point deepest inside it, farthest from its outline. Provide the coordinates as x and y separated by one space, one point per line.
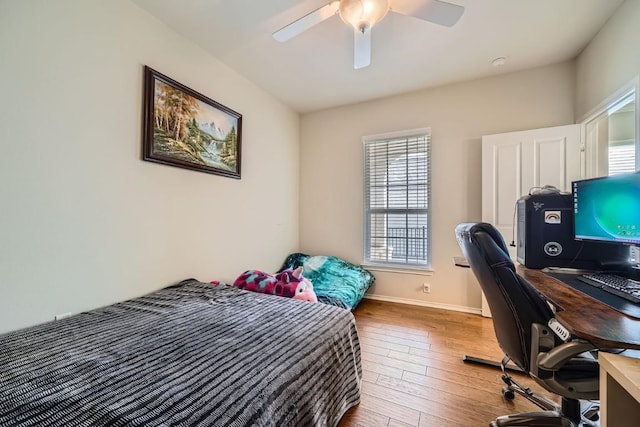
614 284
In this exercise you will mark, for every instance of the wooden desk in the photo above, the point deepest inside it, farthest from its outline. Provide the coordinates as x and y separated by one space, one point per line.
584 316
619 390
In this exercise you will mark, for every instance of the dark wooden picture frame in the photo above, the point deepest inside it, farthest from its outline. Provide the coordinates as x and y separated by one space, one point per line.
186 129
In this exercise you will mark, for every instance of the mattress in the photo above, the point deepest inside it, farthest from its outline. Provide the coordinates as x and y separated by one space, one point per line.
190 354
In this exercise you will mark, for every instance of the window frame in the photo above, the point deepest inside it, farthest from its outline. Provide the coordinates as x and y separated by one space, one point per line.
589 157
390 265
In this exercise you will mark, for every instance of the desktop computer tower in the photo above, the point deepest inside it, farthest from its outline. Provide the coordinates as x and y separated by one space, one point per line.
545 237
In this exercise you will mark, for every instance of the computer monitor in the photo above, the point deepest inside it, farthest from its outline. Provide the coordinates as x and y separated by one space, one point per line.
607 209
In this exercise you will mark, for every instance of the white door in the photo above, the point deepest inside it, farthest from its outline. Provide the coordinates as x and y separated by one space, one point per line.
516 163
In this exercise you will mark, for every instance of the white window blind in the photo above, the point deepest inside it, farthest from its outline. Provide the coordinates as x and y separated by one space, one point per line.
397 199
622 158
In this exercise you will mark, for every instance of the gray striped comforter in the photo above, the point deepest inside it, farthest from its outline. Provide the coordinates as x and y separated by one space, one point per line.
188 355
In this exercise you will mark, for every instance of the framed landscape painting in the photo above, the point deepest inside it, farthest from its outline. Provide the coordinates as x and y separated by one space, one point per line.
186 129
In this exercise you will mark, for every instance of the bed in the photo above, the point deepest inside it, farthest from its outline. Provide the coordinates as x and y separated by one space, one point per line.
190 354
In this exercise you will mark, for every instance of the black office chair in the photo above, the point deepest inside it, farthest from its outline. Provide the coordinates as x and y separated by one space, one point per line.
524 325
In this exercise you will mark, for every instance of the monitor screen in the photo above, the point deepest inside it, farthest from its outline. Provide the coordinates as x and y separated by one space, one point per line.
607 209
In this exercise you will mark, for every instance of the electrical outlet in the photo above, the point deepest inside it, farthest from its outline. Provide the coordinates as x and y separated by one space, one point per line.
62 316
426 288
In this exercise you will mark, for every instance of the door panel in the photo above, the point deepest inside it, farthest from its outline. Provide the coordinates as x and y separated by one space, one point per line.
550 164
516 163
505 188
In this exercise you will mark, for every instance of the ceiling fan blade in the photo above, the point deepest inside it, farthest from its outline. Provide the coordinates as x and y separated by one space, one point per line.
309 20
436 11
361 48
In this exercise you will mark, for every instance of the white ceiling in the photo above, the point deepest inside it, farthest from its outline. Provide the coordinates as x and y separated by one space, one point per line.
315 69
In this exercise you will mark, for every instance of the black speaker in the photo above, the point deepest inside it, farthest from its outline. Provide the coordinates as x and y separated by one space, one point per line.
545 236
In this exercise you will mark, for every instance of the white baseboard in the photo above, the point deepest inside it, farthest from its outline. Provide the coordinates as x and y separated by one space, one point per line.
451 307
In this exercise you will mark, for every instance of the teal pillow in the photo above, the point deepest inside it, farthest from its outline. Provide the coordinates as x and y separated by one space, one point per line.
335 280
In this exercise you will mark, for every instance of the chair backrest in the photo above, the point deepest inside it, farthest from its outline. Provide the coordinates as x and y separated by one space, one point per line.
515 304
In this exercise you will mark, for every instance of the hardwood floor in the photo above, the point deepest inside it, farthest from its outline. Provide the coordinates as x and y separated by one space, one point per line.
413 373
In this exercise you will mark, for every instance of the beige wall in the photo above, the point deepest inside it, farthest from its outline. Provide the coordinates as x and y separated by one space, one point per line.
84 221
611 60
331 217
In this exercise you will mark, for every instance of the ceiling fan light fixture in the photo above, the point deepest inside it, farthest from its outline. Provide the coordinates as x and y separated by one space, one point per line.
363 14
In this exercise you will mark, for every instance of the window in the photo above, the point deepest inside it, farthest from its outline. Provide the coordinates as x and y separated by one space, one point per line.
622 157
397 198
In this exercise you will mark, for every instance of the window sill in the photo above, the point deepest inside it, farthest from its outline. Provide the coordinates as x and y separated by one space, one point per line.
417 271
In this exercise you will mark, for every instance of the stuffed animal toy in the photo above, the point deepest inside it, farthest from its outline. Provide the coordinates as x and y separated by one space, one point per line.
288 283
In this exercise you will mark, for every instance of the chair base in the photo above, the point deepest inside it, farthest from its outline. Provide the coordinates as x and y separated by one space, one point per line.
485 362
534 419
541 419
571 413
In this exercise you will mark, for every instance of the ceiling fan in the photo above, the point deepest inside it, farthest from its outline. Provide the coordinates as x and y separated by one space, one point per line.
362 15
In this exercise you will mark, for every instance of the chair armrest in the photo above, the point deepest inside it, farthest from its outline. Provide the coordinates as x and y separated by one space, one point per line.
553 359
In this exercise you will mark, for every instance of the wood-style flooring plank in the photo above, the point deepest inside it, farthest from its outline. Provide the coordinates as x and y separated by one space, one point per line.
418 401
369 376
413 373
365 339
413 343
429 420
376 368
364 418
394 363
396 423
385 407
435 391
408 333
